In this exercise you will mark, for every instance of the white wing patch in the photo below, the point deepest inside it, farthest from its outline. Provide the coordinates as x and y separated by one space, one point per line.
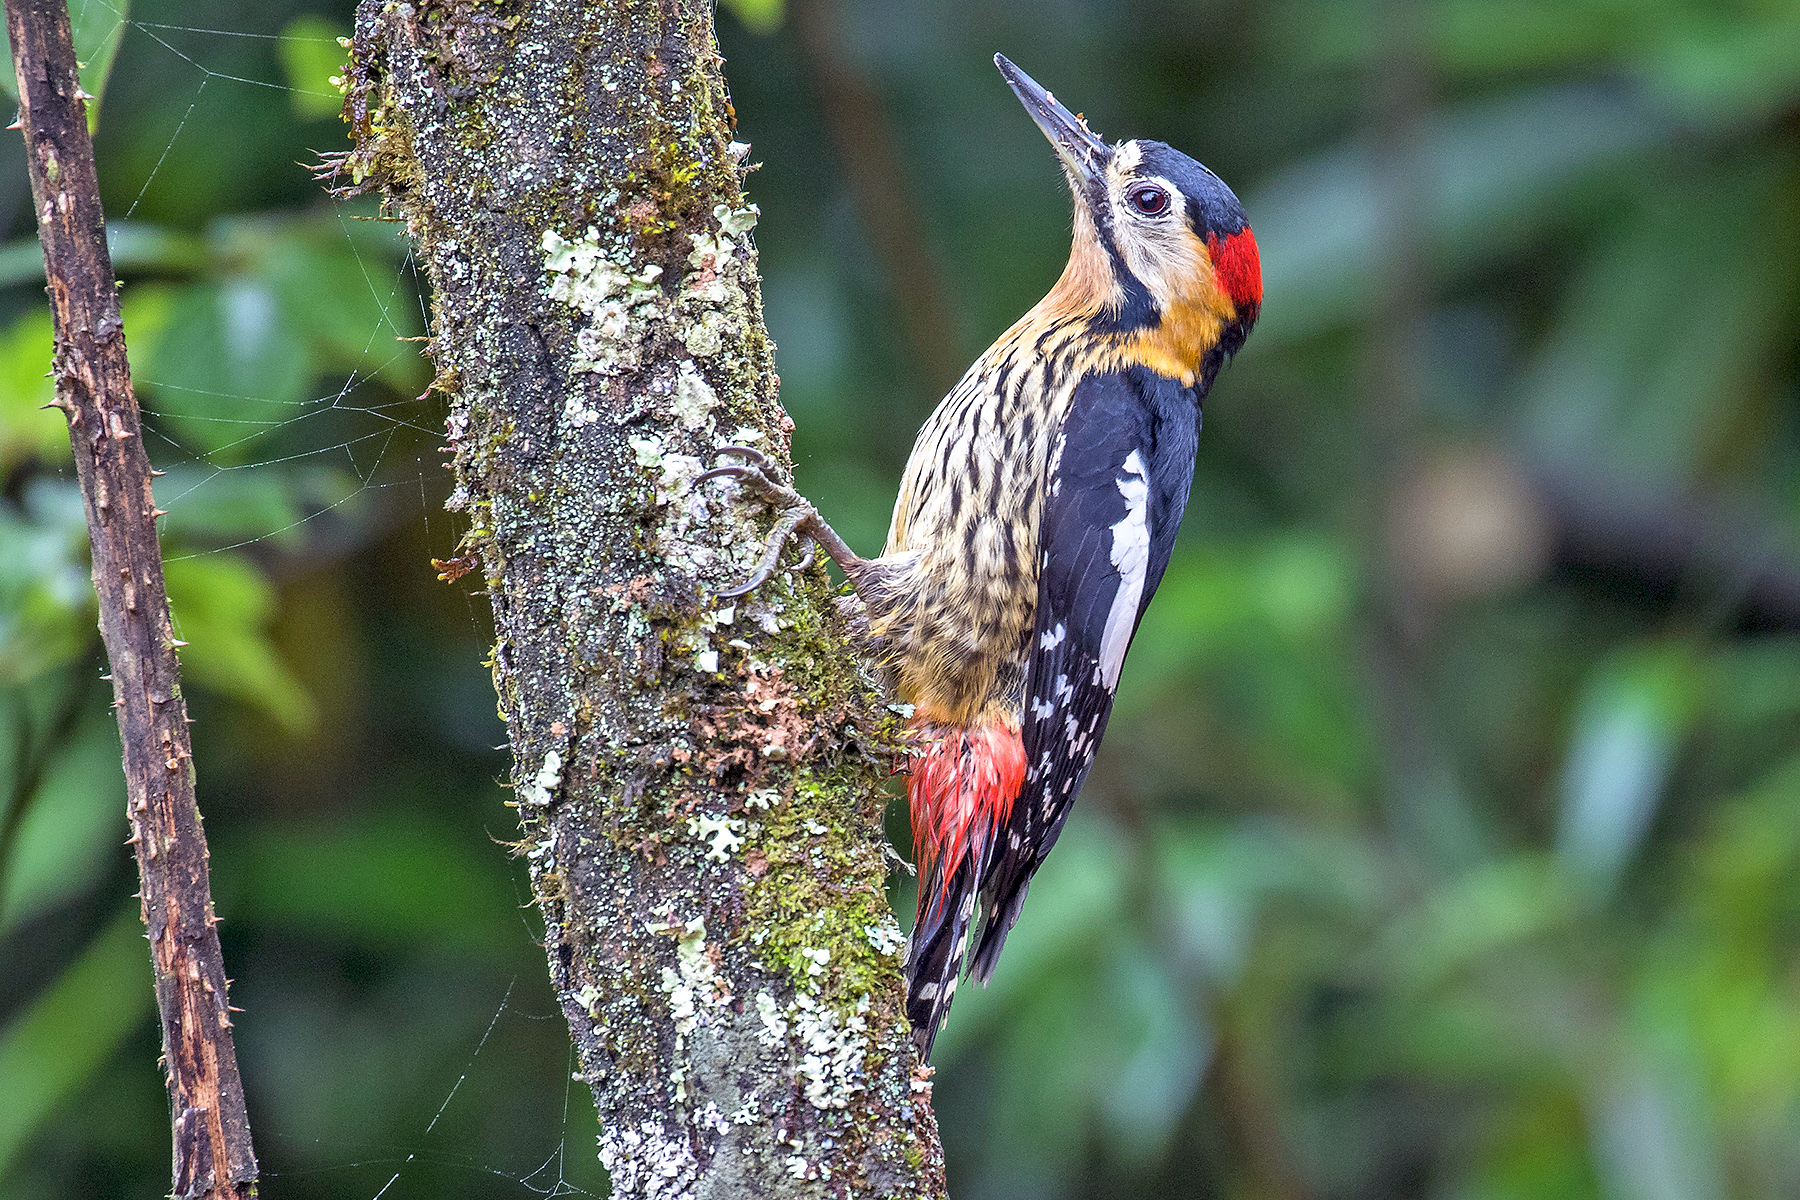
1131 558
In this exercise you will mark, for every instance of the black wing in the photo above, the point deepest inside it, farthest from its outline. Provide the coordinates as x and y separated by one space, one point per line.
1119 481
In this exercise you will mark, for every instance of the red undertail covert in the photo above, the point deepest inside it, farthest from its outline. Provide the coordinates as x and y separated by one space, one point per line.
964 783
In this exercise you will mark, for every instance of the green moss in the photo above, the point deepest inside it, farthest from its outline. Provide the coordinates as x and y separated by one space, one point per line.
821 891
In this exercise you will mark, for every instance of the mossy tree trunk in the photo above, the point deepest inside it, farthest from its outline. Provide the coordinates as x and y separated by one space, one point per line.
699 781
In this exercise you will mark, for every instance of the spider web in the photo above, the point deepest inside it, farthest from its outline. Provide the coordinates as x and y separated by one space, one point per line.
365 452
386 444
389 1164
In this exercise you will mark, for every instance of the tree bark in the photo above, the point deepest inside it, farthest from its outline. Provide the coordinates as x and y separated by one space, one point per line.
213 1155
699 780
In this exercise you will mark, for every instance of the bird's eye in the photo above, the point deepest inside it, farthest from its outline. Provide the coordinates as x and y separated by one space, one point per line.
1150 201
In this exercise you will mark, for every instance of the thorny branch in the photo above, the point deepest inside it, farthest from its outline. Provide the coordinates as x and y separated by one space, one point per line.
213 1158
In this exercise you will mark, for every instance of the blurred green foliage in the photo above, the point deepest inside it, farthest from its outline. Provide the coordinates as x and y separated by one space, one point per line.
1446 842
98 28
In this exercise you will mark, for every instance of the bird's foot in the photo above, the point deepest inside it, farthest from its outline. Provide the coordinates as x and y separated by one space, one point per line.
754 475
892 857
796 515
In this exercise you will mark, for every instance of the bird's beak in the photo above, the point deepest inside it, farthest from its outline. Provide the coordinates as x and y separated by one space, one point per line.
1084 156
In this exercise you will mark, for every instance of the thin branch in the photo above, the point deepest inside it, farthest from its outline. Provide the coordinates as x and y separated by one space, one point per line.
881 188
213 1157
1249 1113
1734 565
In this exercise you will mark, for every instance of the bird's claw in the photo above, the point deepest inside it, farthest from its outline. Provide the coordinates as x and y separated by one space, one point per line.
754 474
747 453
892 856
753 470
793 507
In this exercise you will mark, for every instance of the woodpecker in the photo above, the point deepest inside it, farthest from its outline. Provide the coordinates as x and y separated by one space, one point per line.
1034 522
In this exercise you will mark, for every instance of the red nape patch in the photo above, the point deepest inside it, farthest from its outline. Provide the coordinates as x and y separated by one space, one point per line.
1239 267
961 790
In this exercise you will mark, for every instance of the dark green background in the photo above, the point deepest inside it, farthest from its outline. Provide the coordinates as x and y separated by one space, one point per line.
1446 842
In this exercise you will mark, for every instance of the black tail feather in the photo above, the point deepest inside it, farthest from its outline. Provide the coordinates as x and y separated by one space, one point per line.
935 952
1017 852
1000 911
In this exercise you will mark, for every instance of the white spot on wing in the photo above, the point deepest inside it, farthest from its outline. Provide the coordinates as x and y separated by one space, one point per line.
1131 558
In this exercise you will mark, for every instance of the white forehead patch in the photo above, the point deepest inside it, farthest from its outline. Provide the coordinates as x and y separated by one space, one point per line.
1127 156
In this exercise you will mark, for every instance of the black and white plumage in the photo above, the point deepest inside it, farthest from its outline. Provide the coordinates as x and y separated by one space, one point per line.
1118 485
1036 518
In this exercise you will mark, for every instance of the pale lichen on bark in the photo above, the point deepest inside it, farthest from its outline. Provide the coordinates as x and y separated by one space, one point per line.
699 780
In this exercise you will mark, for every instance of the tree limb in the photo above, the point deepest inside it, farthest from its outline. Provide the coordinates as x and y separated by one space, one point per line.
699 780
213 1155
